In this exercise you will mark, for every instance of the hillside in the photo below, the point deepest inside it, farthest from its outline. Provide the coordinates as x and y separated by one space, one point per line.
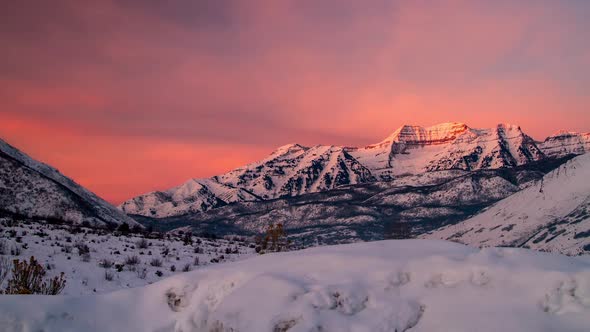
32 189
551 215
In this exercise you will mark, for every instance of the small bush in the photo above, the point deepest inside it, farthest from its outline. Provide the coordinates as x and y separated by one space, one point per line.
132 260
186 267
86 257
108 275
159 273
123 228
196 261
142 244
27 278
4 269
16 251
173 268
106 263
82 248
156 262
187 239
67 249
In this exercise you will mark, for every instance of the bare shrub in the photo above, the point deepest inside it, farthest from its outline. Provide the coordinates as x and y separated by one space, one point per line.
156 262
16 250
86 257
27 278
186 267
82 248
3 247
108 275
142 244
173 268
67 249
4 269
132 260
106 263
196 261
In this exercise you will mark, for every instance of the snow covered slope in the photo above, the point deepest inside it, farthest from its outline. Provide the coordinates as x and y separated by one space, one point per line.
194 195
552 215
564 143
33 189
293 169
410 285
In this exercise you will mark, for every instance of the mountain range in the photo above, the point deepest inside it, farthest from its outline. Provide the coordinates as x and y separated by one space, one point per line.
294 170
447 181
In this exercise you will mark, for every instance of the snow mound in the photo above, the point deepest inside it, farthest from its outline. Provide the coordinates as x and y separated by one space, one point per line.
409 285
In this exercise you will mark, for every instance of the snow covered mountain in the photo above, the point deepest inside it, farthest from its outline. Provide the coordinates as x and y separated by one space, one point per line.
552 215
291 170
294 169
33 189
564 143
407 206
414 149
194 195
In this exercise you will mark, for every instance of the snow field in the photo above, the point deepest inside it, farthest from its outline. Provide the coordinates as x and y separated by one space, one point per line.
55 247
407 285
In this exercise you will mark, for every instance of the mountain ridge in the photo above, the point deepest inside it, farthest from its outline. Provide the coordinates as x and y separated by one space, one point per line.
294 169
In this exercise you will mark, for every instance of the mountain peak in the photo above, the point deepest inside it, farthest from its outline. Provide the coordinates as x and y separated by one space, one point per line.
439 133
288 148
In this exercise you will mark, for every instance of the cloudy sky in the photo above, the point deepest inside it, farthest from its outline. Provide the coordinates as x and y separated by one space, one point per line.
131 96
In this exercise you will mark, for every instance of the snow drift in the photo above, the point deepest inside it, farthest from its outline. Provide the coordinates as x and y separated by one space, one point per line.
408 285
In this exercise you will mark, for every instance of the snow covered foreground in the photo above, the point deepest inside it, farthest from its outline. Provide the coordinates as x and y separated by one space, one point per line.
408 285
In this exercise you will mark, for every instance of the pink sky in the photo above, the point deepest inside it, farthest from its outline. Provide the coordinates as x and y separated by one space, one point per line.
129 96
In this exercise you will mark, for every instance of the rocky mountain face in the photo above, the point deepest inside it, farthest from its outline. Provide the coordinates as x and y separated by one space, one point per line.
564 142
294 170
551 215
31 189
413 149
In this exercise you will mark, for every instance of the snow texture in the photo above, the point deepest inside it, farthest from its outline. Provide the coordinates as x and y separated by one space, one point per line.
404 285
